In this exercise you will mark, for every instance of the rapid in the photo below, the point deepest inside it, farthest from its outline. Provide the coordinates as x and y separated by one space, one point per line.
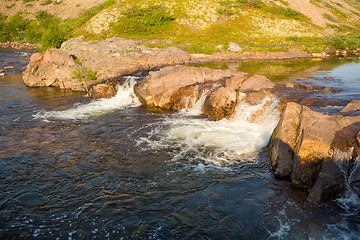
76 168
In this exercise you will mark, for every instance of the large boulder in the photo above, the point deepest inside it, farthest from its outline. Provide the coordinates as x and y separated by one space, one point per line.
53 68
159 87
310 147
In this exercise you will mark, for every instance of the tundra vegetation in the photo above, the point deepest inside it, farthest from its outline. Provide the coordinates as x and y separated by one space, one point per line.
196 26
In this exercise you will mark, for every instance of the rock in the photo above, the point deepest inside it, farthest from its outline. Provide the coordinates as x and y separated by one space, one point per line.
102 91
221 102
329 185
304 145
2 74
351 109
283 140
319 55
9 67
234 47
157 89
52 68
256 83
186 97
220 47
313 141
115 57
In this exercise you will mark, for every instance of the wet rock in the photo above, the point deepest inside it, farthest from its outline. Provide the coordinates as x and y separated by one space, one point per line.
305 140
234 47
9 67
351 109
221 102
329 185
52 68
256 83
283 140
157 89
102 91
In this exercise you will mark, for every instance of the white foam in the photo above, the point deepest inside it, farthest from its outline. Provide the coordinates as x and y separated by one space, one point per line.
125 97
219 143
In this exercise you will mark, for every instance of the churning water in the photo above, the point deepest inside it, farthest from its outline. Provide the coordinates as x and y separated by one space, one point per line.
75 168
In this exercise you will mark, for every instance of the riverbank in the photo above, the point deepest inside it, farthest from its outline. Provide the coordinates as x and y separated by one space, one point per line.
18 46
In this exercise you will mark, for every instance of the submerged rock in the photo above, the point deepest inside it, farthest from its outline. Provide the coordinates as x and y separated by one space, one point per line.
308 146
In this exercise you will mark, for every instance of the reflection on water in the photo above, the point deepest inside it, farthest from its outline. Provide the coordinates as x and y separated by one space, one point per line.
91 179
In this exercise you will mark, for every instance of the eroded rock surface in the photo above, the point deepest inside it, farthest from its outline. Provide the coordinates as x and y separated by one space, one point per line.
53 68
309 147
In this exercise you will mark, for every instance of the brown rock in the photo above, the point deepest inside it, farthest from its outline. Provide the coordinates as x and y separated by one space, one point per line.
186 97
221 103
52 68
157 89
353 108
329 184
283 140
102 91
256 82
306 145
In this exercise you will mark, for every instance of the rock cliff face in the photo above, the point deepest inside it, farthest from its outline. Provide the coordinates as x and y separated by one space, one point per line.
309 147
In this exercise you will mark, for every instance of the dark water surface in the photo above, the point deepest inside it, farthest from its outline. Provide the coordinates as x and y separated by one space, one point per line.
112 176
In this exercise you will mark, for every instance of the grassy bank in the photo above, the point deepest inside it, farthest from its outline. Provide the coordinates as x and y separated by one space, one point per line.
195 26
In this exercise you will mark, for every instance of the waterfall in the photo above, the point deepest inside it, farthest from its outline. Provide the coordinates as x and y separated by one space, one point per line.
125 97
190 136
350 202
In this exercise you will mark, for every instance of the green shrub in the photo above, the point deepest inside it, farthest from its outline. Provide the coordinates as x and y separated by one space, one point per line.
143 20
200 48
286 12
46 2
342 42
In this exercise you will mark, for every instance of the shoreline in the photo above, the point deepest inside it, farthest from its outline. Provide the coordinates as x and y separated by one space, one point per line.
18 46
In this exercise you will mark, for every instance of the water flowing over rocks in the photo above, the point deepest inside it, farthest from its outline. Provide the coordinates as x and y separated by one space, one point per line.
179 87
309 147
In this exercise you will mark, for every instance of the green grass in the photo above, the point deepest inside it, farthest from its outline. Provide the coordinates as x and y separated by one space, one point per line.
143 20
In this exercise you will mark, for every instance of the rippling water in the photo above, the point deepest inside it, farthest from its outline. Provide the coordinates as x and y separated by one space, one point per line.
73 168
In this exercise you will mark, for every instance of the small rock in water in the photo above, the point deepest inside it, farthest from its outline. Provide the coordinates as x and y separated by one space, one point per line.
9 67
30 200
2 74
234 47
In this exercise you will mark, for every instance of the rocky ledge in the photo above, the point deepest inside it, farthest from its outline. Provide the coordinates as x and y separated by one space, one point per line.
178 87
79 65
317 151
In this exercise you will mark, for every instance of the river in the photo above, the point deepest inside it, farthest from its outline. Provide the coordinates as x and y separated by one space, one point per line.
76 168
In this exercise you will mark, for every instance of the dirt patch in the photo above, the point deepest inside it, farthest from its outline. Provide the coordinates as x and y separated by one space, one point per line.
61 8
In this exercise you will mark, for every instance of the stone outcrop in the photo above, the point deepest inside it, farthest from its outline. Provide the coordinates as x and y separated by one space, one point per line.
180 87
115 57
309 147
54 68
157 89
